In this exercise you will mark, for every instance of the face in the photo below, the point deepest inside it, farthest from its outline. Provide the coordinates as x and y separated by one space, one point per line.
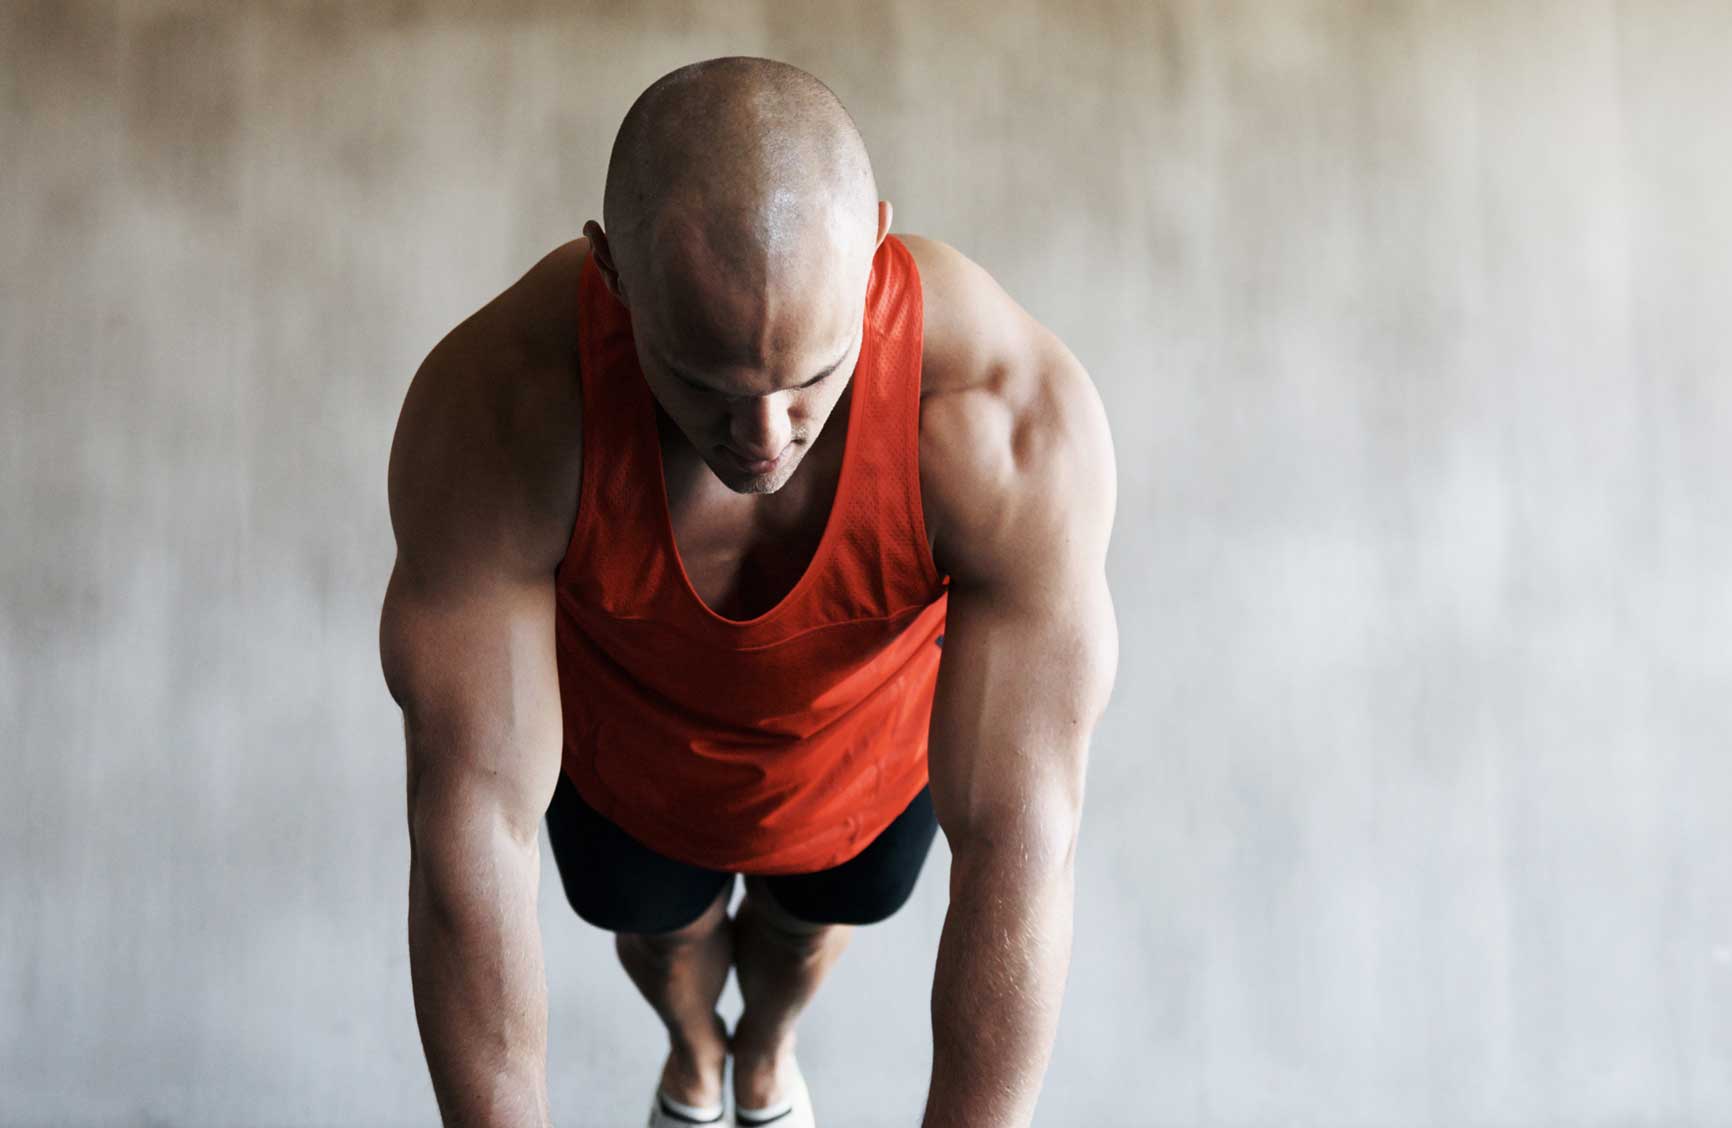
753 423
749 361
749 364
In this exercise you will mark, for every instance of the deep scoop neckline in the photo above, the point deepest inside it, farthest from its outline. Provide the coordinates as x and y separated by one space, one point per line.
844 478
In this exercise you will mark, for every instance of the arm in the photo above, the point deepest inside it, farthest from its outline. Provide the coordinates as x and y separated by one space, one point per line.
1026 485
481 715
466 642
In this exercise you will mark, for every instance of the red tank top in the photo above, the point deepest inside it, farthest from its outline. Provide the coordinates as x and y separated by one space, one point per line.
774 745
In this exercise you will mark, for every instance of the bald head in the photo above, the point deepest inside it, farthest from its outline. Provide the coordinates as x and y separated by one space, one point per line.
742 222
743 165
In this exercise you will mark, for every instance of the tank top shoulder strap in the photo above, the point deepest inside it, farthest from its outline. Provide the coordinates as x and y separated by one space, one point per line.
895 316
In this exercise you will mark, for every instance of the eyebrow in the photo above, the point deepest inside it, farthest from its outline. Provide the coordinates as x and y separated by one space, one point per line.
680 372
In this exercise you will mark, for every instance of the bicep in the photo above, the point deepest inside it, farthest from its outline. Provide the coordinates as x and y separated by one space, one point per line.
482 484
1020 688
1031 641
476 676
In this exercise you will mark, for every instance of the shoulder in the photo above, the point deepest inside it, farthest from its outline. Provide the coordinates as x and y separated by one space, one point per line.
1016 455
485 459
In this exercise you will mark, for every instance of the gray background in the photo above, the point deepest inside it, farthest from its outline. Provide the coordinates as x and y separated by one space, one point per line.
1410 805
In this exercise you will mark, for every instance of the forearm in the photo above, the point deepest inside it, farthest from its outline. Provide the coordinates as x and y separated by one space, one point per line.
479 983
1003 958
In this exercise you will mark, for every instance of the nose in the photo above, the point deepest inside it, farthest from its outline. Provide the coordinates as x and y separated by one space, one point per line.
760 430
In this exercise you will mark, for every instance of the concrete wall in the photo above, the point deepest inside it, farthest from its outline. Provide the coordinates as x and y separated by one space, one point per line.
1411 806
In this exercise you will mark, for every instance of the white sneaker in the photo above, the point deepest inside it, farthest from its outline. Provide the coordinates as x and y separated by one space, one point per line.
665 1112
793 1111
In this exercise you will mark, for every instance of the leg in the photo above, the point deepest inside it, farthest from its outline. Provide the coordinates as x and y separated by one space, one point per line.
780 957
780 961
682 973
671 931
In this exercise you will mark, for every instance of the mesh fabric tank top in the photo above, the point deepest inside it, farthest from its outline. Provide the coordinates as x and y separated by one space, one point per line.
779 744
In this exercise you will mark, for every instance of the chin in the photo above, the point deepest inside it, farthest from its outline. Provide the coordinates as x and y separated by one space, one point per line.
743 483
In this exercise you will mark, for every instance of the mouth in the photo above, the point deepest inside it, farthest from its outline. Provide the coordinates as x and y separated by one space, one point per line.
757 466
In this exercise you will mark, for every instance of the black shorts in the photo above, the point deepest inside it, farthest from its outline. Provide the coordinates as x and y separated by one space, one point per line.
617 883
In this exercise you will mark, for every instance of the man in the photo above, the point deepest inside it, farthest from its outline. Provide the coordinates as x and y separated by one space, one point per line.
686 518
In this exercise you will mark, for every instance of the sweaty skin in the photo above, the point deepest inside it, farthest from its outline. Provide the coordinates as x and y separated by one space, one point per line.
1018 484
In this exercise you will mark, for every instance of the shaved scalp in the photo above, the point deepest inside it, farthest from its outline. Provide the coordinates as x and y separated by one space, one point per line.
755 160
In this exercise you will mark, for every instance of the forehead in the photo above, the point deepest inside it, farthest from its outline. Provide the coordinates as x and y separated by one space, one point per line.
715 308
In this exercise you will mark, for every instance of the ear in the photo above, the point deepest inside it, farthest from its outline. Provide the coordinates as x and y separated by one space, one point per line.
603 255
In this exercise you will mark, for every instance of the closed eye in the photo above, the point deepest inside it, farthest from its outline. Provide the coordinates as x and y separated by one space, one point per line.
695 386
829 370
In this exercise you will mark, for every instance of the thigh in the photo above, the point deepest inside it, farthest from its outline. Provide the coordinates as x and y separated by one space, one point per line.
870 886
615 882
